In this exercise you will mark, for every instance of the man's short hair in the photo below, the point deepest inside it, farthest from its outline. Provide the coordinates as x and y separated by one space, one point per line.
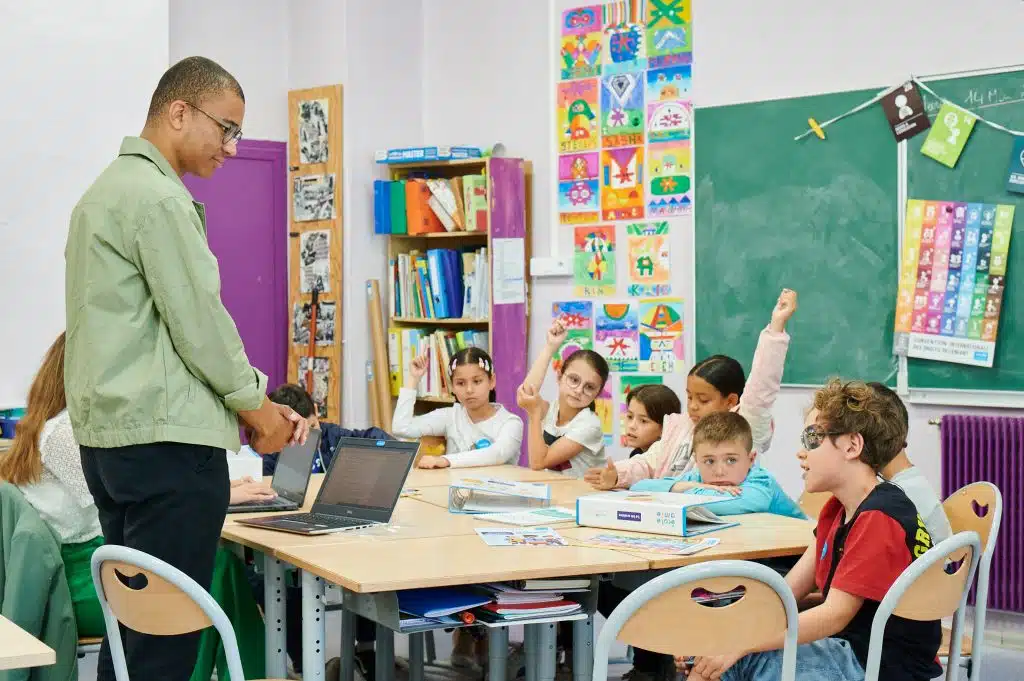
294 396
723 426
855 407
192 80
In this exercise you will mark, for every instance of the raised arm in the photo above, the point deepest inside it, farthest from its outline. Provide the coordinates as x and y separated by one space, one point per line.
538 370
766 372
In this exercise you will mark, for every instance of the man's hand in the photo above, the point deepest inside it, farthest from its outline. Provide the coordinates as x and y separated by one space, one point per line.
603 478
427 461
274 426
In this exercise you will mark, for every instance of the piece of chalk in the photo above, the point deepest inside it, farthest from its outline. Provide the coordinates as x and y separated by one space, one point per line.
816 128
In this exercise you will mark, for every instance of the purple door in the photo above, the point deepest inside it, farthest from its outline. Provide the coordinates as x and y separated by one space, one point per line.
247 226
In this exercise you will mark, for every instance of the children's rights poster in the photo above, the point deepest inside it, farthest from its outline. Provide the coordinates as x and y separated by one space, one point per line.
952 277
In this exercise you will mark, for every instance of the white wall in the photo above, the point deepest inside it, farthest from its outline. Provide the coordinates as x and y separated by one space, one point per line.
249 38
382 40
77 77
488 79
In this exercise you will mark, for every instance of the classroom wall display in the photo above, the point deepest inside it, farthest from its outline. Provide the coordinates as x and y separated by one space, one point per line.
623 111
603 407
952 277
315 245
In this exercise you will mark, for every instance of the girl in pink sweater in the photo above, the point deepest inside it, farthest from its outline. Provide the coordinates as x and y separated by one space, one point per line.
714 384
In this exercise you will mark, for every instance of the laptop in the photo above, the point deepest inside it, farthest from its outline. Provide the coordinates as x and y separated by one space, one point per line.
291 478
360 490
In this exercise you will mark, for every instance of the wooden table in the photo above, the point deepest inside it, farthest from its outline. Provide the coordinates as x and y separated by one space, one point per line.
425 546
19 649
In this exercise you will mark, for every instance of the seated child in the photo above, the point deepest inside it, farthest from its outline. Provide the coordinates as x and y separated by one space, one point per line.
901 472
723 450
715 384
866 536
298 399
477 430
565 435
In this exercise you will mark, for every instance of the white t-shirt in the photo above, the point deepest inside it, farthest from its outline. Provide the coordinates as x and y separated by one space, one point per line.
585 429
919 490
497 440
62 496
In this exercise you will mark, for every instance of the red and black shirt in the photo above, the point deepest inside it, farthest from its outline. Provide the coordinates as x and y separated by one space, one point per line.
863 556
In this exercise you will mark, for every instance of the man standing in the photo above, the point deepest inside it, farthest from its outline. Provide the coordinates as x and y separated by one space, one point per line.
157 379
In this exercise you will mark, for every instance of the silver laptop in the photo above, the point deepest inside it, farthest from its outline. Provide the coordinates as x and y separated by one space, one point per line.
291 478
361 489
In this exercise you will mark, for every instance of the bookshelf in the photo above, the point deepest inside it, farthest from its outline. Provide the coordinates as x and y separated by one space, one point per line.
504 315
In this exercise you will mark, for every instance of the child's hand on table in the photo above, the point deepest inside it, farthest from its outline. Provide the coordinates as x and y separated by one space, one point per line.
603 478
427 461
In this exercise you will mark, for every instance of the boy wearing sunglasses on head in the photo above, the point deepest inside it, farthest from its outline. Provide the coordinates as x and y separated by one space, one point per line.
867 535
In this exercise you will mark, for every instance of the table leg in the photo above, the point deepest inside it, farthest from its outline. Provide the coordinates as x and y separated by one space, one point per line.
274 597
497 653
583 649
416 657
313 627
532 649
546 649
431 648
348 645
385 657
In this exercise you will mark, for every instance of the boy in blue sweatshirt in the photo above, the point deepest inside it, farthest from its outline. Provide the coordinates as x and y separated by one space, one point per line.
723 450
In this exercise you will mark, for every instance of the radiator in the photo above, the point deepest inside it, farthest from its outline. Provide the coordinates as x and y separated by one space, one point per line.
991 448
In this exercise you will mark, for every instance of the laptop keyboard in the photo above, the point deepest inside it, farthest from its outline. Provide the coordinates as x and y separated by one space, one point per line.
332 520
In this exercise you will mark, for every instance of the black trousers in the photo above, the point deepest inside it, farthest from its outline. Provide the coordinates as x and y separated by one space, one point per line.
168 500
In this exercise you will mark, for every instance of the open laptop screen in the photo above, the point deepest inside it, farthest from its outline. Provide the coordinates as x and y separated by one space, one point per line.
367 475
294 466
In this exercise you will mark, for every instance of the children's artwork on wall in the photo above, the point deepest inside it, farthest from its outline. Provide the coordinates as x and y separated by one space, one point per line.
649 261
661 335
578 318
578 192
616 335
594 261
324 324
603 408
321 381
624 47
626 384
622 110
622 183
313 198
315 259
670 192
577 103
669 39
669 120
581 42
313 114
670 83
952 278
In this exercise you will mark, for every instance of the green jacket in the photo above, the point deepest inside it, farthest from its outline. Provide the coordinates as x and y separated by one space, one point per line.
152 355
34 590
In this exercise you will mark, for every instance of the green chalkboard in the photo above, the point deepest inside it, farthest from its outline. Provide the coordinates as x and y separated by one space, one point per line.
815 216
979 176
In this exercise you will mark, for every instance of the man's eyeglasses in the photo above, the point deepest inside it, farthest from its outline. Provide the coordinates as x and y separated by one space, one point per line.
814 435
232 131
588 389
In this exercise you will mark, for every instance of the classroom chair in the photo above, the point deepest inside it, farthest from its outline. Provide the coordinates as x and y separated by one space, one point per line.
929 589
171 603
88 646
976 507
662 616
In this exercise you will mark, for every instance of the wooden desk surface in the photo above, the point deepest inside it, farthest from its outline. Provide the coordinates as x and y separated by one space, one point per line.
759 535
372 566
19 649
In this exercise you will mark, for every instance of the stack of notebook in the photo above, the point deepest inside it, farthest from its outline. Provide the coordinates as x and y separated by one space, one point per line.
510 603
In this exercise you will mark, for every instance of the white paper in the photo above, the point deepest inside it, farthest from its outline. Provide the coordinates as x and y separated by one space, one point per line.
509 282
555 514
521 536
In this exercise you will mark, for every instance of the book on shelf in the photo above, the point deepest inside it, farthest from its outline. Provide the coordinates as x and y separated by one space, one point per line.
441 283
429 205
404 344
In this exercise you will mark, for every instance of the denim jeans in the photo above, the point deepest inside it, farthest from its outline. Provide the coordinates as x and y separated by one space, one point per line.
830 659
